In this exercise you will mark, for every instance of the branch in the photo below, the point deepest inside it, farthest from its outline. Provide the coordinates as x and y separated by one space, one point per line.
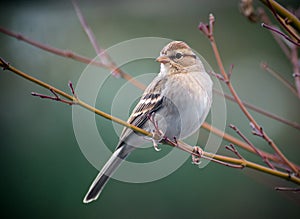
179 144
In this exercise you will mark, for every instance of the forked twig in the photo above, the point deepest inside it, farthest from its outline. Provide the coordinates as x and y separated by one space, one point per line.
56 97
234 150
257 151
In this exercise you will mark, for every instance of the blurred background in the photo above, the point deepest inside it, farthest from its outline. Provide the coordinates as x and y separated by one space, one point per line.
44 173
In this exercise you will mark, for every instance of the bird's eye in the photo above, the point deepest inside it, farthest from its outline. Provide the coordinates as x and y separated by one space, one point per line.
178 55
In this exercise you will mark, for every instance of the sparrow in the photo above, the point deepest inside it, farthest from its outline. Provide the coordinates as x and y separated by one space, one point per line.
179 97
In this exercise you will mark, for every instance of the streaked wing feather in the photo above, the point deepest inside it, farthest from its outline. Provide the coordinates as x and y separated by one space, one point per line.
140 114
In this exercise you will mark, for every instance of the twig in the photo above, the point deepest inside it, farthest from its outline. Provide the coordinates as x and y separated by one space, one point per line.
276 75
282 44
236 97
56 97
234 150
90 34
238 142
280 33
257 151
261 111
71 55
296 68
103 55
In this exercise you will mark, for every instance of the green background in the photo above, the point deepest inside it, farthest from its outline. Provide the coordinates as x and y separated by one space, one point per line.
45 175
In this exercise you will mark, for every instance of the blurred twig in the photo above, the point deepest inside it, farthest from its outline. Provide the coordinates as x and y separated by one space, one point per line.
71 55
260 110
276 75
102 54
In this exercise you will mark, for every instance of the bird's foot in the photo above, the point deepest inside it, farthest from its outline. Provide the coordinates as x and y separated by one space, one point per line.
156 139
197 154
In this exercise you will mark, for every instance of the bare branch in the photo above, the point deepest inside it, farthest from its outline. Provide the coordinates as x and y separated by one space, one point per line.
227 161
238 100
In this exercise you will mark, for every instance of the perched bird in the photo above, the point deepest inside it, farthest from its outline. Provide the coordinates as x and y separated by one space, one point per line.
180 97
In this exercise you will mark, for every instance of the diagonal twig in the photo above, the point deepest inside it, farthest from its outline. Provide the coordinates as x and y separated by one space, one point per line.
71 55
276 75
257 151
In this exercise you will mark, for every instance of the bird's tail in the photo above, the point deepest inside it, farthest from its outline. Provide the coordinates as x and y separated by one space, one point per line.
106 172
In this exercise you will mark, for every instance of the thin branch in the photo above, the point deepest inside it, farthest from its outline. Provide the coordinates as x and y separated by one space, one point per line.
56 97
238 142
90 33
234 150
236 97
103 55
261 111
276 75
257 151
296 68
280 33
71 55
282 44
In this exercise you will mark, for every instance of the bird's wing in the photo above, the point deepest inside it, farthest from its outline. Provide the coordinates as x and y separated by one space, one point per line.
151 101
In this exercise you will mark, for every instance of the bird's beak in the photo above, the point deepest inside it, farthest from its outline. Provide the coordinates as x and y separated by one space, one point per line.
163 59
